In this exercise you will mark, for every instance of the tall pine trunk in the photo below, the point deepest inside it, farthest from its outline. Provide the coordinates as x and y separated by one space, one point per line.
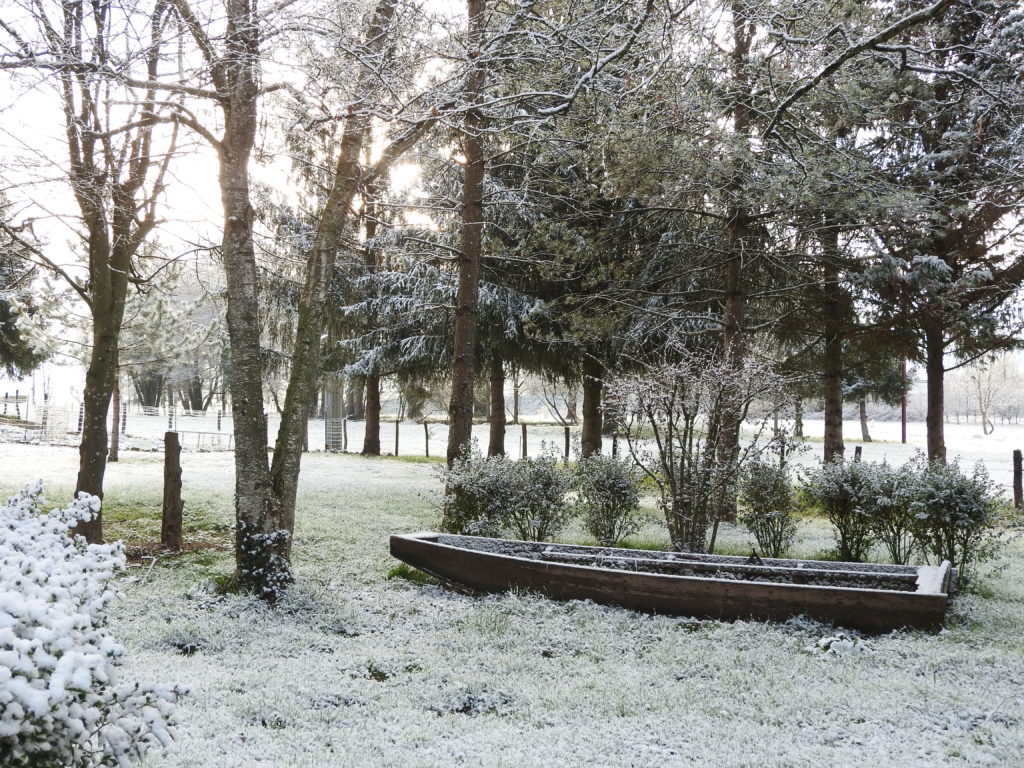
935 371
832 374
496 441
460 408
371 436
590 438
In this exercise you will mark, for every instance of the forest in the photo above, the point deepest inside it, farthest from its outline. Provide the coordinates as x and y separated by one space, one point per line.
437 195
705 216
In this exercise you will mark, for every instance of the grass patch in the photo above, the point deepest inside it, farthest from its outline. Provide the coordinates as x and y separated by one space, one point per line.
408 573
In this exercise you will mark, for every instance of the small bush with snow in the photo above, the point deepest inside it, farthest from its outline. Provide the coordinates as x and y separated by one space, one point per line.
843 491
768 507
608 498
496 496
60 701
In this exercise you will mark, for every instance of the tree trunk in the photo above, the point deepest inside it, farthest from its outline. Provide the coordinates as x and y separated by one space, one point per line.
590 438
862 406
356 405
262 538
115 421
496 443
832 375
460 408
371 437
935 370
798 418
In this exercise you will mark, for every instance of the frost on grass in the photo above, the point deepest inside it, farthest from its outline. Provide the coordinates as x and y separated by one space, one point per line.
60 701
353 669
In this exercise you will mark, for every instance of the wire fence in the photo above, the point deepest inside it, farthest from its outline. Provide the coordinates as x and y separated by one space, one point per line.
143 428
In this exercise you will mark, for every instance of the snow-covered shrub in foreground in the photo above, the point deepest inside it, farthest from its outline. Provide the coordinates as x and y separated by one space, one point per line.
60 702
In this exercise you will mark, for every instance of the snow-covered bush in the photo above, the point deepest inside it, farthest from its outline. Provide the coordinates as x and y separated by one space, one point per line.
955 515
60 702
497 496
842 491
608 498
538 511
890 507
766 493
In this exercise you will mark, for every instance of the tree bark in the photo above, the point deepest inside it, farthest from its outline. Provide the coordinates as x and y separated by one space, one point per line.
496 443
832 374
115 421
590 437
460 408
862 406
371 437
935 371
262 538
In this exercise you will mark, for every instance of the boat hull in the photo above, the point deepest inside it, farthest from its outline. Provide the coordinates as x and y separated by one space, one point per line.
481 564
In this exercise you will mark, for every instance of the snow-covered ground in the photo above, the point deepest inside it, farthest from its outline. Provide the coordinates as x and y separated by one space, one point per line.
354 669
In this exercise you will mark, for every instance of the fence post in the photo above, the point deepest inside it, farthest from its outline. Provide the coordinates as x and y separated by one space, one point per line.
1018 475
856 453
397 422
81 417
426 438
567 441
17 405
170 521
219 415
615 444
523 425
344 434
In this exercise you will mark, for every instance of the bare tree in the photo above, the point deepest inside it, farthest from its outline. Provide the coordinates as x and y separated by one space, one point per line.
114 169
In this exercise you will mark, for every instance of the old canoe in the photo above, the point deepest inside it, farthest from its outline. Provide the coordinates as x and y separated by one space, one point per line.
868 596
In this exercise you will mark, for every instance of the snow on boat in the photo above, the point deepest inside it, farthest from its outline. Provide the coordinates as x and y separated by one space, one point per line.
867 596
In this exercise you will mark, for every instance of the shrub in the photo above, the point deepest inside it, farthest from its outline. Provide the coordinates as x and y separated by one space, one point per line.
955 515
477 494
538 511
60 703
496 495
842 491
608 498
769 503
890 508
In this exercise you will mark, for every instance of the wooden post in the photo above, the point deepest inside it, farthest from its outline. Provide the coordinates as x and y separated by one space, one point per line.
344 435
523 425
170 523
567 439
1018 485
397 422
615 444
426 438
856 453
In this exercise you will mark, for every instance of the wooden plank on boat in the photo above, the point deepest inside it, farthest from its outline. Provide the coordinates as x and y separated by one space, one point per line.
497 565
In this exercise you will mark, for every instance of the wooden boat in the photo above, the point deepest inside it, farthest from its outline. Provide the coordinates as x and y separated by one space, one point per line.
866 596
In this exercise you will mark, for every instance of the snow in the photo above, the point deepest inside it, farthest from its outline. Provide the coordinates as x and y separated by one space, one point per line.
353 669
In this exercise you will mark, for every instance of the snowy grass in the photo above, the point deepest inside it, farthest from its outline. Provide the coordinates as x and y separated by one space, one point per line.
356 669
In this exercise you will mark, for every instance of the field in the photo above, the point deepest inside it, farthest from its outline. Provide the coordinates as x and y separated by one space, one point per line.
358 669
